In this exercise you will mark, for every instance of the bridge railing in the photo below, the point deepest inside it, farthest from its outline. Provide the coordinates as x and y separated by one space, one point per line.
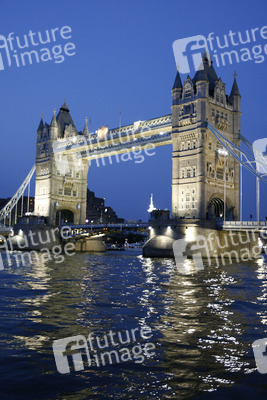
89 226
242 224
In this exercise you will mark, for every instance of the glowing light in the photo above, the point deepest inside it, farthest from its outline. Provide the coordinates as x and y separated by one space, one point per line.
151 205
222 151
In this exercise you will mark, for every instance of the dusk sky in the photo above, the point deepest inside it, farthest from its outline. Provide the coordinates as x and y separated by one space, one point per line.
123 58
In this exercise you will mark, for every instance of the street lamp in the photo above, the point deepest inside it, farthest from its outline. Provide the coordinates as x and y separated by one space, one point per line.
224 153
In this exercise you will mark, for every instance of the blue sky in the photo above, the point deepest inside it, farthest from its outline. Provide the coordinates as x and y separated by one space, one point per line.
124 59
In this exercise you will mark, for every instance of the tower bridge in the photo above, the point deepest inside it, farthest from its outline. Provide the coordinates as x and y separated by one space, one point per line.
203 129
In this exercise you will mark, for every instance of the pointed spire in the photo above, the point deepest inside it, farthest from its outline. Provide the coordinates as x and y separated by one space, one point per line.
235 90
151 205
41 125
201 75
206 58
54 121
65 107
206 71
177 83
85 129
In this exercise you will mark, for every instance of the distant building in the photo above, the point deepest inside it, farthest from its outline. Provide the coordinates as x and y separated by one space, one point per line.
97 212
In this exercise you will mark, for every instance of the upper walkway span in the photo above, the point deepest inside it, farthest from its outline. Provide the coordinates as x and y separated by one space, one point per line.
105 142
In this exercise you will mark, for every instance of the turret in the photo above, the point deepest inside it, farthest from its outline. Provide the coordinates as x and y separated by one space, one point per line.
85 129
235 100
54 127
177 89
235 96
201 78
40 128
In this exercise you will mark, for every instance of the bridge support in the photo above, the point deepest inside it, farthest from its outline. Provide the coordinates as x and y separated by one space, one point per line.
202 170
217 247
61 180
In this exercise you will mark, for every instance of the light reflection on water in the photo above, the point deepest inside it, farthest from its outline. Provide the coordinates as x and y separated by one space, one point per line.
203 326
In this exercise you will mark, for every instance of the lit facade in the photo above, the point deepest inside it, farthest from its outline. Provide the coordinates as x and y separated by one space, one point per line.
200 166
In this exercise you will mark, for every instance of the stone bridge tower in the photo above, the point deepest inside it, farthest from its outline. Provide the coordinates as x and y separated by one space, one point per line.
200 167
61 181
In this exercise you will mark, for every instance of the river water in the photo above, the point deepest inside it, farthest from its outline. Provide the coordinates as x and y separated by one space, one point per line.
202 328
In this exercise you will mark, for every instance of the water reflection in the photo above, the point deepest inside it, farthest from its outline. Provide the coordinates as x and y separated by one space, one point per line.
203 324
204 327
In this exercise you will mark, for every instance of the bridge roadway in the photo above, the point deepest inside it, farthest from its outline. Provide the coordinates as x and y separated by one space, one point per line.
107 142
79 229
243 225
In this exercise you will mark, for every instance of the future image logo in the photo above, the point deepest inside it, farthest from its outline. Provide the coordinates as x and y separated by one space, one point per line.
71 350
260 154
78 352
35 47
260 354
235 247
179 250
188 53
225 49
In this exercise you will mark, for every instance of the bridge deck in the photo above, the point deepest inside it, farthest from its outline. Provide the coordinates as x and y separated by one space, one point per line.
243 225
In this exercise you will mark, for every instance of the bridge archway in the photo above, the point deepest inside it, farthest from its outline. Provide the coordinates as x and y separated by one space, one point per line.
215 208
64 216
